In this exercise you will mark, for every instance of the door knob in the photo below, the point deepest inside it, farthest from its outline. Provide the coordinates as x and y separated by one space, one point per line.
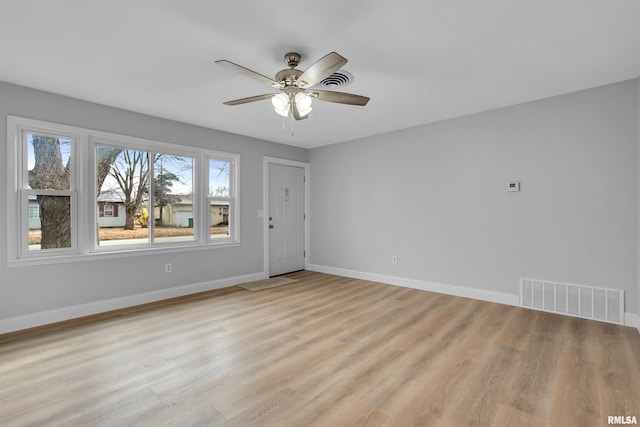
270 225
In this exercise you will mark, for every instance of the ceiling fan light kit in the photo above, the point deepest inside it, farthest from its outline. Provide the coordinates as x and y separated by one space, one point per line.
303 101
296 87
280 104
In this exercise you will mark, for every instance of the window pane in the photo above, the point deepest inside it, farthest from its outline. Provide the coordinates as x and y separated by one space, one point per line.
48 162
173 198
219 217
219 178
51 228
123 190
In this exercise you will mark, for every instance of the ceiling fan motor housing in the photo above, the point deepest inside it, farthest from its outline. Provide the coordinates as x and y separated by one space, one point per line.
288 76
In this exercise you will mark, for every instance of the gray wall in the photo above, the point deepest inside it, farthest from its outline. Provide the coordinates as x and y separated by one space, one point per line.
435 196
27 290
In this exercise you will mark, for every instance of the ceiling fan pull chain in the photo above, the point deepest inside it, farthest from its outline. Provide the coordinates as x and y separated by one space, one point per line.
282 124
292 124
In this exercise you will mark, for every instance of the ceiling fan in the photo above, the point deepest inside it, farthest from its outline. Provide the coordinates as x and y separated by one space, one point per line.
296 87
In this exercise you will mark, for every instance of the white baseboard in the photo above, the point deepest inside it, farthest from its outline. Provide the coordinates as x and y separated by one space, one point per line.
57 315
459 291
630 319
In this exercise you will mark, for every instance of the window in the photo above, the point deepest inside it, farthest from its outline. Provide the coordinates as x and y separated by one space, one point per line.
174 205
47 192
124 193
34 211
122 176
106 210
156 190
219 197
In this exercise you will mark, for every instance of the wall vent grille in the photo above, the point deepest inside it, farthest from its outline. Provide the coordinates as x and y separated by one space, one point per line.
606 305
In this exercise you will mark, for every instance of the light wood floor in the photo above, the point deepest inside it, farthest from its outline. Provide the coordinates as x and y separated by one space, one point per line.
325 350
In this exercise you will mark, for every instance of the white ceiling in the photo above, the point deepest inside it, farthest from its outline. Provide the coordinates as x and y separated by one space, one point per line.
419 61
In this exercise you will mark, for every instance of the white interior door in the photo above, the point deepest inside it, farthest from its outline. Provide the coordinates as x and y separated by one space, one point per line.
286 219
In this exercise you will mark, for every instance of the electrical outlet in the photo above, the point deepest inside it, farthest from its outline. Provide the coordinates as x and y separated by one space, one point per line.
394 259
167 268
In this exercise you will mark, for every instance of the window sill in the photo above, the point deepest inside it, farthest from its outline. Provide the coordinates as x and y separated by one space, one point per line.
111 254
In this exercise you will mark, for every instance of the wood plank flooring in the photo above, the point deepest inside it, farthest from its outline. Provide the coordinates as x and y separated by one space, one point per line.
327 351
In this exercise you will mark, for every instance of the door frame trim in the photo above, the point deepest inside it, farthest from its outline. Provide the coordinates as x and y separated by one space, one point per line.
265 206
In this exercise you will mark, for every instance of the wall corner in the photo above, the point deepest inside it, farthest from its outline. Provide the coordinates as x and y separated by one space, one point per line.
638 207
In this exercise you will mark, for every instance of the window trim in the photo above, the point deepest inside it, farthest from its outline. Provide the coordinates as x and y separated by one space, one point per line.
18 191
83 188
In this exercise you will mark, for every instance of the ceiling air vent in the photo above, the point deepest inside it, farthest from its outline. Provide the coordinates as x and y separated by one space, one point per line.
340 78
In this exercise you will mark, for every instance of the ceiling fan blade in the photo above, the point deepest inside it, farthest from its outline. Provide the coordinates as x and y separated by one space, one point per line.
249 73
296 112
339 97
250 99
321 69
